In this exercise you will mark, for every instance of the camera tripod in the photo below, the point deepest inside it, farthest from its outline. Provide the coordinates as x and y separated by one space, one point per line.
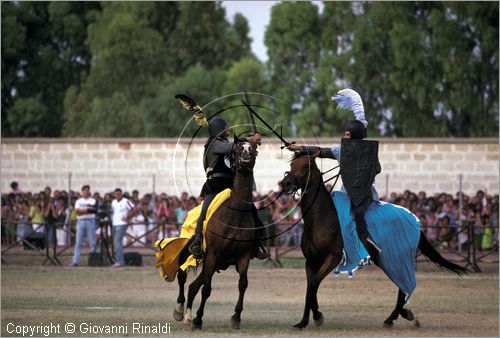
106 256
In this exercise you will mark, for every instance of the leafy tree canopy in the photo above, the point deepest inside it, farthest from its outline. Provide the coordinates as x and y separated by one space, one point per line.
112 68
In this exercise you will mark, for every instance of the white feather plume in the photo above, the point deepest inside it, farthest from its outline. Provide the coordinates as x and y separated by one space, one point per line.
350 99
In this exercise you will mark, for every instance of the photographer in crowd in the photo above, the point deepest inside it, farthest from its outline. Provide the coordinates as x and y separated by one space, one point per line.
85 224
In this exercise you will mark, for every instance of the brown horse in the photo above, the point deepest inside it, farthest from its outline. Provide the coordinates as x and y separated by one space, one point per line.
230 240
322 243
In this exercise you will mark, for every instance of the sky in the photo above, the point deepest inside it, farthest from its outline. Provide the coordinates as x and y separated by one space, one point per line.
258 14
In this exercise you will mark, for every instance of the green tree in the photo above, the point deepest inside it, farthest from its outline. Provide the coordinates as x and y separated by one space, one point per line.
76 106
127 65
247 75
202 35
141 56
292 39
393 68
163 116
465 40
114 117
28 118
43 54
319 115
159 15
68 31
75 61
13 44
128 55
417 64
237 40
440 59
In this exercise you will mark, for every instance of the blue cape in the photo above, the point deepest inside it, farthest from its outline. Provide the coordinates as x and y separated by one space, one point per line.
394 229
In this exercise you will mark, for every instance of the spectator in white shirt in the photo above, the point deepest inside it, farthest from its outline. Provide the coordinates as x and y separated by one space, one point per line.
85 224
121 216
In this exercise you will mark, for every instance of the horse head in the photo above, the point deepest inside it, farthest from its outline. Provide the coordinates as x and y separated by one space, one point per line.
302 174
245 153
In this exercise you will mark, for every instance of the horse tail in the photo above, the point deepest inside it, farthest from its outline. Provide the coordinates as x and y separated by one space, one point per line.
428 250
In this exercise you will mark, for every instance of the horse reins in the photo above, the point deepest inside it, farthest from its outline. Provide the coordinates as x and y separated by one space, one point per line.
336 177
326 172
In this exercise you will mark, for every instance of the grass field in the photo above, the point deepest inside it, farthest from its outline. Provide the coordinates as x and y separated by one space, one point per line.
444 305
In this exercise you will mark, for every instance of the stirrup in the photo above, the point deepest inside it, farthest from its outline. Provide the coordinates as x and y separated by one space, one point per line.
195 248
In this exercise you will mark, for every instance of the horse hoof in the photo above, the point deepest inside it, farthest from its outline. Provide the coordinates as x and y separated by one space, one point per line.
318 321
187 318
301 325
195 327
417 323
235 324
196 324
178 316
409 315
178 312
388 324
187 322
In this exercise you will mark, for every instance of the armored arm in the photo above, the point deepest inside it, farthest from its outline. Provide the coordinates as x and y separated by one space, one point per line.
323 152
219 147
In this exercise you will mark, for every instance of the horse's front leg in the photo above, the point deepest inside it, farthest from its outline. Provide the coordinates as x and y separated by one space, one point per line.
208 270
307 307
179 307
314 279
330 262
242 286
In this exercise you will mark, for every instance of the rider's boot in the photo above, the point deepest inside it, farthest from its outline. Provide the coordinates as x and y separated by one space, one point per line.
362 230
371 247
196 247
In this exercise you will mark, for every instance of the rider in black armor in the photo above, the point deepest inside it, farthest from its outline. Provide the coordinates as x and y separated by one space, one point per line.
217 161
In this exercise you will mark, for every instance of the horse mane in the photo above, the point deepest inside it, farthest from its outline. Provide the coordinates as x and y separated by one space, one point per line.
239 139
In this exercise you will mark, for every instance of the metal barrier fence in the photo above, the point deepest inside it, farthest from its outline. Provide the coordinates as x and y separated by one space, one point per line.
56 239
460 244
467 243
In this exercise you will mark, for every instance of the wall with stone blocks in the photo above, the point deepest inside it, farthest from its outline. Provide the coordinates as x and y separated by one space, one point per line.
173 166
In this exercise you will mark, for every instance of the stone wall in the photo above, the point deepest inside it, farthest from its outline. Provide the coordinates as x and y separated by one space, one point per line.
173 166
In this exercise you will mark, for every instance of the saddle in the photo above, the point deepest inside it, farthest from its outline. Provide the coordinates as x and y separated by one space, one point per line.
169 249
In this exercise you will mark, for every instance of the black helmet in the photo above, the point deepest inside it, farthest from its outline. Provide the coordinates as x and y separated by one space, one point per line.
357 129
217 127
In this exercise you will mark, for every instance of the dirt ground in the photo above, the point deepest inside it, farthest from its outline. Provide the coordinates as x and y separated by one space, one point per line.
102 298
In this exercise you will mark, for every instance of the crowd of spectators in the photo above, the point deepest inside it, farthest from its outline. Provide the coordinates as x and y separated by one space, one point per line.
155 215
445 219
159 215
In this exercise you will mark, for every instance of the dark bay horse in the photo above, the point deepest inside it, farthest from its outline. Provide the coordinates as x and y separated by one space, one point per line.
230 240
322 243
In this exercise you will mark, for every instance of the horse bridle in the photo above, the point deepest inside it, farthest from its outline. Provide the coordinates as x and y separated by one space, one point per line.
296 182
251 153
